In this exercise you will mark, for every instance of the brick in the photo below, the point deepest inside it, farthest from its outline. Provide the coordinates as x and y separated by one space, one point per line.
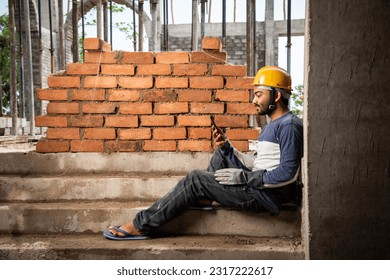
101 57
171 108
99 108
135 134
243 134
211 43
138 57
99 133
199 133
159 95
136 82
82 69
100 82
87 94
63 108
208 57
87 146
154 69
194 146
51 121
190 69
242 146
171 82
241 108
52 146
206 82
96 44
172 57
193 121
86 121
231 121
229 70
109 69
156 145
123 146
135 108
121 121
52 94
194 95
63 82
232 95
63 133
207 108
169 133
123 95
157 120
239 83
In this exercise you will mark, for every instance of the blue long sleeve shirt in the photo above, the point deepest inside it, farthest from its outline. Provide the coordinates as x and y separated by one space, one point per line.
279 151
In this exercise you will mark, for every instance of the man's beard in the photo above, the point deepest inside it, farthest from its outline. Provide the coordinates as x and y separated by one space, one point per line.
265 110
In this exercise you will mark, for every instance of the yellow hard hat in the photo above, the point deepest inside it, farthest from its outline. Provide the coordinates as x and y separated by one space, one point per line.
273 76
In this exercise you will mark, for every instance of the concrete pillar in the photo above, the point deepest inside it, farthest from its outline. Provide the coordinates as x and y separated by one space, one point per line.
156 26
269 33
347 154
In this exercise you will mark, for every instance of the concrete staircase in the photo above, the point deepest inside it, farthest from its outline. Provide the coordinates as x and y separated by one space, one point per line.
55 206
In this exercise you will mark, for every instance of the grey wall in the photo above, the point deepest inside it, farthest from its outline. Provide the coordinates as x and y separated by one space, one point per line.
347 131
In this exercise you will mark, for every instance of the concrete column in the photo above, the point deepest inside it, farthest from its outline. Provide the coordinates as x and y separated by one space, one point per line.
346 114
155 38
269 33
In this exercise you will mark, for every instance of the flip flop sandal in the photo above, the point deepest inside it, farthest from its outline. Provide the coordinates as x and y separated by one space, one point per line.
127 236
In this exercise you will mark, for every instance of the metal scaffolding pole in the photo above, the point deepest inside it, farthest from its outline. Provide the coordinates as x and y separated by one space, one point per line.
288 36
105 21
140 25
12 72
111 23
75 41
82 27
202 17
165 26
28 69
223 24
51 40
61 35
22 107
134 27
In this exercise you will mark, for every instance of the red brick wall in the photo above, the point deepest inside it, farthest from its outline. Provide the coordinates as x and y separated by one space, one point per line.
143 101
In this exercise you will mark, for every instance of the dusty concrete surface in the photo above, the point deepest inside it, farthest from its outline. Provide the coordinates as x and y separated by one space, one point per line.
178 247
10 144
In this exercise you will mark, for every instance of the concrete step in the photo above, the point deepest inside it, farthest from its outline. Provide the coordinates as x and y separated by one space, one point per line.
94 217
94 187
20 163
95 247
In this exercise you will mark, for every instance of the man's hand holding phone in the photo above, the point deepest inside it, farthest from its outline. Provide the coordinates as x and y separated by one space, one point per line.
219 136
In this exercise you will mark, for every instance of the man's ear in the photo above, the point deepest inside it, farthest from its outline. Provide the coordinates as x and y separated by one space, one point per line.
278 96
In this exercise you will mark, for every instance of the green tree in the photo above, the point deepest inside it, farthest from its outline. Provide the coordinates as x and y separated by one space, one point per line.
125 27
4 60
297 101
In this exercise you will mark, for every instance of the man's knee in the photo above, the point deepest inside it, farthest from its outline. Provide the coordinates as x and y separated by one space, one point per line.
197 174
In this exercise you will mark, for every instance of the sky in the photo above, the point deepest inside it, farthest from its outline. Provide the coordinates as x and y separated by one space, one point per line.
182 13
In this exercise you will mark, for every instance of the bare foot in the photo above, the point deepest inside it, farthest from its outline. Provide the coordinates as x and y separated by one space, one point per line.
129 227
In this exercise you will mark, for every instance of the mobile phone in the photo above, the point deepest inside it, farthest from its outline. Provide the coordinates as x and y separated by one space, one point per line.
220 131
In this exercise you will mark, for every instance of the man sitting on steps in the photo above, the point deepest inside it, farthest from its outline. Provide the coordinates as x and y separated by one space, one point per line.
265 181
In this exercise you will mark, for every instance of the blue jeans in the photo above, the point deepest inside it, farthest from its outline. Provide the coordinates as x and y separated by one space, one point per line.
198 184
